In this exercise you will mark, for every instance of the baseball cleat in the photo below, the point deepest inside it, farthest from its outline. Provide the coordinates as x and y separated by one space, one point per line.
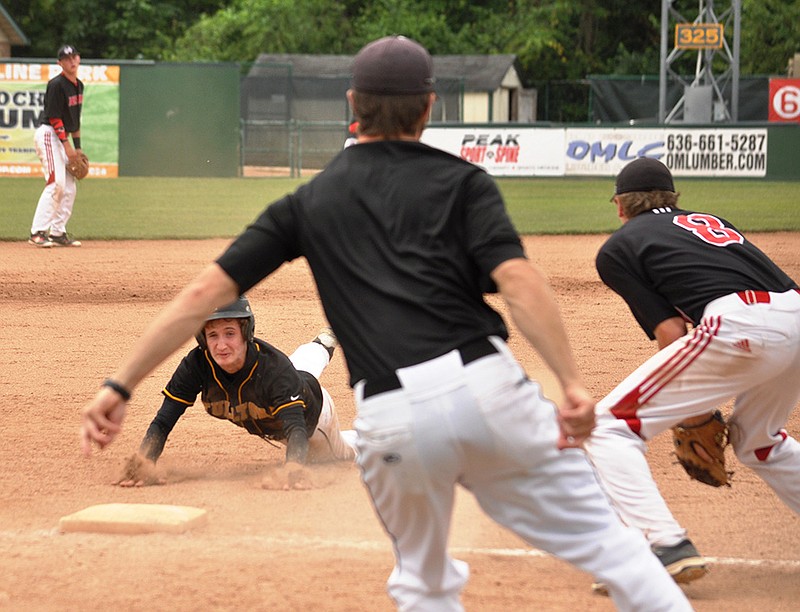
326 338
682 562
64 240
40 239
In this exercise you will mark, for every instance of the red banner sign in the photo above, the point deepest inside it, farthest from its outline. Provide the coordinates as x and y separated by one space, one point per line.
784 100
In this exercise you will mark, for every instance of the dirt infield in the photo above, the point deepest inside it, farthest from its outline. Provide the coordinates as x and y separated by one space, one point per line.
68 315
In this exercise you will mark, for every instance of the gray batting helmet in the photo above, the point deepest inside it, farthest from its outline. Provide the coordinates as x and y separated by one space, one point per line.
240 309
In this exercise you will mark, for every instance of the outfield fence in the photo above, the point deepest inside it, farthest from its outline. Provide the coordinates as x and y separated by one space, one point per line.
225 120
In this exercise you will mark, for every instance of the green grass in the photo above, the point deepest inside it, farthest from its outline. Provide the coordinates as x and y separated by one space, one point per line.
164 208
582 206
148 208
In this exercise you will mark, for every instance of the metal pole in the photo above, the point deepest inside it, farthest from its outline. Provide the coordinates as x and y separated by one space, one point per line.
704 15
662 77
737 20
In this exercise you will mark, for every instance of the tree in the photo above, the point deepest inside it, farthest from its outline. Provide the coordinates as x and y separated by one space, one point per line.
769 35
425 21
552 39
106 29
246 28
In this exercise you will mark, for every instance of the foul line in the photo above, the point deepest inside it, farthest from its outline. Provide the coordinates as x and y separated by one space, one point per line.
371 545
521 552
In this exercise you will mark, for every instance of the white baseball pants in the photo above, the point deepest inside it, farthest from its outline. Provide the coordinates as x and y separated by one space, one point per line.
327 442
486 427
58 197
748 347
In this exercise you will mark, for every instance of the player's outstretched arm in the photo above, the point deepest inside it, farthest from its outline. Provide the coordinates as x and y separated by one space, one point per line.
140 468
535 312
139 471
102 417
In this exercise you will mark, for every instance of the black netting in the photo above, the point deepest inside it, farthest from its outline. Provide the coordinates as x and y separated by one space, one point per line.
283 115
624 99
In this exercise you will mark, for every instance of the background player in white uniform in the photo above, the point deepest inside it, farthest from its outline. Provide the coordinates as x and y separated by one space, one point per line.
403 241
60 119
673 267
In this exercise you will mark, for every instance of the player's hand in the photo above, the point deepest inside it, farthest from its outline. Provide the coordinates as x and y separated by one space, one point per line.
72 154
576 417
139 471
101 420
288 476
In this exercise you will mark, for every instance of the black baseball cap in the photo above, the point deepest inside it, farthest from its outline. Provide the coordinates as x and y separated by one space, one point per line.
66 51
393 65
644 174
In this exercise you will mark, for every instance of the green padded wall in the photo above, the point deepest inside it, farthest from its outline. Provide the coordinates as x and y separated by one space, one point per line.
179 120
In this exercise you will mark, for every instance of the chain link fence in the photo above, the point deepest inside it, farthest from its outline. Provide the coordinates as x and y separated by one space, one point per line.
291 125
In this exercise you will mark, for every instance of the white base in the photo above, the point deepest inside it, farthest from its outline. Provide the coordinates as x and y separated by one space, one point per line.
133 518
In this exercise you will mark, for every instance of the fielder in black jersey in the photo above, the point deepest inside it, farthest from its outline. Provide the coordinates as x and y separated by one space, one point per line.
403 241
726 319
668 262
252 384
60 120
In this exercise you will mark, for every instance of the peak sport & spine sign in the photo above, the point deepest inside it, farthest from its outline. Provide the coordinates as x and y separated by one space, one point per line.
500 148
503 152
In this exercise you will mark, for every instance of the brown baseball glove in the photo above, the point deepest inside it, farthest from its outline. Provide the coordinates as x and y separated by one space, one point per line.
79 166
700 449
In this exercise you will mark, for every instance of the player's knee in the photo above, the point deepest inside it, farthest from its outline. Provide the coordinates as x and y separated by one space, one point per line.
611 427
753 456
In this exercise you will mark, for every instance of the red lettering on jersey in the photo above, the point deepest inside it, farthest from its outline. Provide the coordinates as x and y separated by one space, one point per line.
709 229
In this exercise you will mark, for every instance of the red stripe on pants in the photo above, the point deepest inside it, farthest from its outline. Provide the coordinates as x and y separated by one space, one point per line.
629 405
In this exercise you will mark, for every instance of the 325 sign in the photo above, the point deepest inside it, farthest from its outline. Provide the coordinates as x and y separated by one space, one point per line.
699 36
784 100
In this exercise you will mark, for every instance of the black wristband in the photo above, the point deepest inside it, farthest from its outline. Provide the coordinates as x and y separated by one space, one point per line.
76 142
113 384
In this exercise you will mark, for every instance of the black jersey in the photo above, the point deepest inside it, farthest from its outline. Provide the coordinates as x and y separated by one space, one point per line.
671 262
268 396
63 100
401 239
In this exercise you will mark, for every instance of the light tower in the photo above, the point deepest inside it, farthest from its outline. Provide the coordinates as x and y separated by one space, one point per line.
708 96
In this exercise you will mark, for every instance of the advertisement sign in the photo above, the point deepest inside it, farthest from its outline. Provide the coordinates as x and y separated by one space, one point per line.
710 152
503 152
784 100
22 88
603 152
590 151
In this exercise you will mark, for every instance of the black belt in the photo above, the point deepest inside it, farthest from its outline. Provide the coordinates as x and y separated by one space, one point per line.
471 351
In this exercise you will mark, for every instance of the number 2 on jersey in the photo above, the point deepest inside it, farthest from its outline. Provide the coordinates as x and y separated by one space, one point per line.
709 229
